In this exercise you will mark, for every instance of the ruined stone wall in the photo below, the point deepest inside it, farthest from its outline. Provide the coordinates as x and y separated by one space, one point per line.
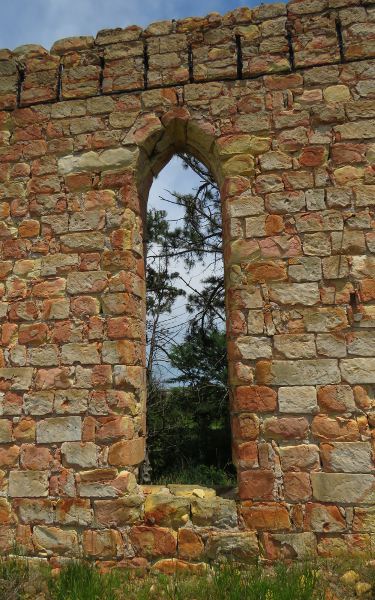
279 102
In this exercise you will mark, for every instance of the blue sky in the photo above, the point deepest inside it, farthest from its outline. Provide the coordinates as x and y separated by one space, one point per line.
45 21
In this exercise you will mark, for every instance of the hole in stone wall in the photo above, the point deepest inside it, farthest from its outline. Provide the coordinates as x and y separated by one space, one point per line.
189 440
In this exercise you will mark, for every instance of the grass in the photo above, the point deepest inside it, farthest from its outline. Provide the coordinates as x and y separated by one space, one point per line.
203 475
83 581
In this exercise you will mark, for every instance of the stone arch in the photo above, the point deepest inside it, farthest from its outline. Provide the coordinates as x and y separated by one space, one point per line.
158 140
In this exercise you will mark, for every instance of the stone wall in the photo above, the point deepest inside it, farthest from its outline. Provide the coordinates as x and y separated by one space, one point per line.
279 102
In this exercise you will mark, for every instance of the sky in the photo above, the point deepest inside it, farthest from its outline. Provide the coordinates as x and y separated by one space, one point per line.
45 21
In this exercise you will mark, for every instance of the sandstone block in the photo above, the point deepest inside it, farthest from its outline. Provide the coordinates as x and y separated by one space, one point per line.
336 398
240 546
295 346
290 545
127 453
335 429
265 516
343 488
28 484
53 540
106 544
286 428
364 520
119 512
256 485
5 431
358 370
19 378
85 354
82 455
295 293
59 429
324 518
301 372
153 541
93 161
35 511
74 511
304 457
255 398
214 512
298 399
297 487
347 457
167 510
331 345
190 544
252 348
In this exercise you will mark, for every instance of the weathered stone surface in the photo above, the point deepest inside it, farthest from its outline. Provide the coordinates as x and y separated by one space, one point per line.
299 399
215 512
265 516
59 429
152 542
358 370
53 540
347 457
303 372
82 455
104 544
119 512
240 546
343 488
290 545
28 484
93 161
304 457
167 510
324 518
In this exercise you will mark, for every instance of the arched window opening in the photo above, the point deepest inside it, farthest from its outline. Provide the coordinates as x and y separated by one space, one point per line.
188 423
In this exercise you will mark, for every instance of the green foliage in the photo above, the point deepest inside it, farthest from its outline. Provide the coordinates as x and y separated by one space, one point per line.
209 476
14 573
79 581
188 425
188 417
82 581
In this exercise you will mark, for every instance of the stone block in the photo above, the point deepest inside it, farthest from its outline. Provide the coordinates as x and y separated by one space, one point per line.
240 546
343 488
59 429
214 512
298 399
167 510
81 455
28 484
347 457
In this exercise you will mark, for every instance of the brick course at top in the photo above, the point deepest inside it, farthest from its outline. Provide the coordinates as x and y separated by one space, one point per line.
279 102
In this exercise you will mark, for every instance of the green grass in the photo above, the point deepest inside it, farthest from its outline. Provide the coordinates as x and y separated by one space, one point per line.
83 581
208 476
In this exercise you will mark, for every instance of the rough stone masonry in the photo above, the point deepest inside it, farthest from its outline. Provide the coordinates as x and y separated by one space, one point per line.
279 102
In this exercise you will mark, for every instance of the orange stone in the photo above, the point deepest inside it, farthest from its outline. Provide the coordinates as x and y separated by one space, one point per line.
127 453
297 486
256 485
190 544
255 398
35 458
153 541
265 516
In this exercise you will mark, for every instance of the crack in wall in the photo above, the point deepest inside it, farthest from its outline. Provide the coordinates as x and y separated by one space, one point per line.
146 64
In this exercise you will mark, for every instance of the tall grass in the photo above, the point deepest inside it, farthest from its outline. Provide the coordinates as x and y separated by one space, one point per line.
79 581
